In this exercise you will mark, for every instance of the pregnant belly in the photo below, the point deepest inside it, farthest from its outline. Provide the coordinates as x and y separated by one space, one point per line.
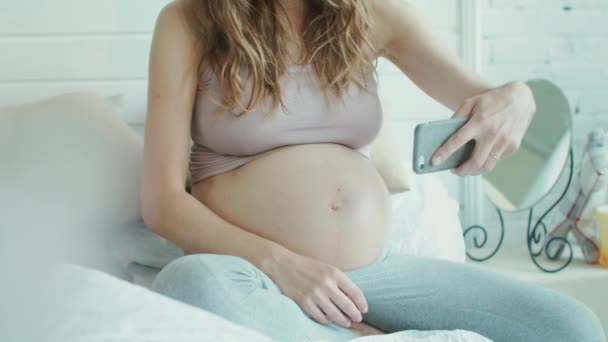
325 201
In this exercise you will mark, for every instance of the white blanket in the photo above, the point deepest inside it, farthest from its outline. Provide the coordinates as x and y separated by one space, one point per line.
90 306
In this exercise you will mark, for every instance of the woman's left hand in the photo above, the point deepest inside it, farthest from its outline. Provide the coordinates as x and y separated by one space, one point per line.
499 120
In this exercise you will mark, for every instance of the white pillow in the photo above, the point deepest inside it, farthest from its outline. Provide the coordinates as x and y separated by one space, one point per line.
426 221
69 176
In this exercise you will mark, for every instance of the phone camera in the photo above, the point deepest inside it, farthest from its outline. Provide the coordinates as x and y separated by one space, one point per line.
421 162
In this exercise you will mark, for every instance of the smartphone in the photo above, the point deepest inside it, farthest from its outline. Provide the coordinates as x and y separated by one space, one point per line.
429 136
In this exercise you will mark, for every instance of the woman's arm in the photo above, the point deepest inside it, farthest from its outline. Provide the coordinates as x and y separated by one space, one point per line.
499 116
166 206
409 42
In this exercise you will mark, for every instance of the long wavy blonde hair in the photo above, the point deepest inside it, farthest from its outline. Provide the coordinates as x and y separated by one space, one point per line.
236 34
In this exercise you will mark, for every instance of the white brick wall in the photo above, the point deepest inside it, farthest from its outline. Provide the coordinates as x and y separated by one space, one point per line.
76 45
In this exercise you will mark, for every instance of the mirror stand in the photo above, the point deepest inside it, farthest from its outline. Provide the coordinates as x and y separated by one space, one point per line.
535 235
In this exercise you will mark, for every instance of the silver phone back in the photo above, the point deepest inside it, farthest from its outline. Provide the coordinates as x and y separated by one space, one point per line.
429 136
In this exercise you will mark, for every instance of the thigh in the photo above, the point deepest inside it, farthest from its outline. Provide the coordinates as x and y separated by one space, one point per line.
408 292
211 281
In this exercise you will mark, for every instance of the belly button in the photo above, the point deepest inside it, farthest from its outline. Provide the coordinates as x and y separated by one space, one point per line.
337 203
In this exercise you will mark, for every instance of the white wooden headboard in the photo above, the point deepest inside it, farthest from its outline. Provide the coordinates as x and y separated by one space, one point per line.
50 47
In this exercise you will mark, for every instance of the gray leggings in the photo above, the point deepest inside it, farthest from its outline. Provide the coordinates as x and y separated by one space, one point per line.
403 292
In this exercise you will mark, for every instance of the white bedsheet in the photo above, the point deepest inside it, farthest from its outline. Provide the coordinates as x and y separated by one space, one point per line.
91 306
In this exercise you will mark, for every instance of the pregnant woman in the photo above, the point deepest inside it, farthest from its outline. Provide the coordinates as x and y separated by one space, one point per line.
269 106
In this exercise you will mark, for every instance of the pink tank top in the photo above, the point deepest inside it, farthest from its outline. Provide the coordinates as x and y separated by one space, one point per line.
223 142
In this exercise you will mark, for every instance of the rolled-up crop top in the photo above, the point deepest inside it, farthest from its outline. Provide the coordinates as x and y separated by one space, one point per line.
223 142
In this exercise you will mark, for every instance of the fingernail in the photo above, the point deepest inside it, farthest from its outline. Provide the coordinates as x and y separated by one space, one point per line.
437 160
365 309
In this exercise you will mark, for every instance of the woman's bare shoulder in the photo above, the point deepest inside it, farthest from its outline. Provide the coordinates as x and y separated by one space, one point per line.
384 15
172 16
173 30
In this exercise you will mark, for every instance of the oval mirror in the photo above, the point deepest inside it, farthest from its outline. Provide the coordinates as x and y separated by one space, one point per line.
526 177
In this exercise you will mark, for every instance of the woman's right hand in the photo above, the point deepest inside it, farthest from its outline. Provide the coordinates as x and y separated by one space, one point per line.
322 290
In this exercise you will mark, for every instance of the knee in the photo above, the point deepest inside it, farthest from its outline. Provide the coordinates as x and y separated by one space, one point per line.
574 321
202 279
